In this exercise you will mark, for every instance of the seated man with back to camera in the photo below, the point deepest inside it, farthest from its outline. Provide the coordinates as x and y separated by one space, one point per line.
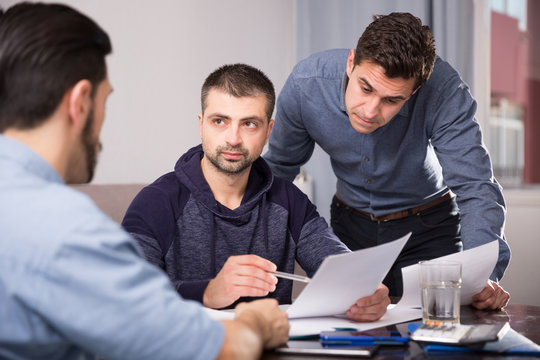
221 223
73 284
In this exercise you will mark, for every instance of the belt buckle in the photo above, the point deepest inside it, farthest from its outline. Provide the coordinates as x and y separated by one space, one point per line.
378 219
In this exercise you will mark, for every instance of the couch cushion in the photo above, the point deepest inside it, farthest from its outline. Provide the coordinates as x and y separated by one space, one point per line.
113 199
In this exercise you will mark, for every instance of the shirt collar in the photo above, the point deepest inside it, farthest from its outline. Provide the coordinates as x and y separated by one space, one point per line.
20 154
344 83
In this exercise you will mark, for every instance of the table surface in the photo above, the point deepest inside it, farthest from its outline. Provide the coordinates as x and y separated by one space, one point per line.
524 319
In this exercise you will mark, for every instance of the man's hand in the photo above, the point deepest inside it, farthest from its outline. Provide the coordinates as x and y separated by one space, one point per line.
243 275
270 321
492 297
370 308
257 325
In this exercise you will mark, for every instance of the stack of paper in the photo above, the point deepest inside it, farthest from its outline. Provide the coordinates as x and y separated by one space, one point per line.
342 279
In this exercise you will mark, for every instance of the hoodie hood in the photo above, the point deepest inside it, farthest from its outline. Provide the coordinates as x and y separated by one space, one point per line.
188 171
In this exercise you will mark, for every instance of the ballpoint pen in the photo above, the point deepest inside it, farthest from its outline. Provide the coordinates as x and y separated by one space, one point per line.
294 277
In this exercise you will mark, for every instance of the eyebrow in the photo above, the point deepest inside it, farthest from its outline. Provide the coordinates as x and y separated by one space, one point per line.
248 118
218 115
397 97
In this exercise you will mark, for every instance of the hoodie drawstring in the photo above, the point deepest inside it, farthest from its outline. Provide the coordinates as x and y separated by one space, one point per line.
212 246
265 222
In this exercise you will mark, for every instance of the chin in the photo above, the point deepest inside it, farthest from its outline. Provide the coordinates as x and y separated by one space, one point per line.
362 129
77 179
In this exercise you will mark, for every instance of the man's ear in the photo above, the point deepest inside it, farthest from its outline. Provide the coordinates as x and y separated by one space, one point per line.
200 116
350 62
80 103
270 126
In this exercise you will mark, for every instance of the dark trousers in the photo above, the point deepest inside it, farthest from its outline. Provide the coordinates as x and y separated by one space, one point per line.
435 232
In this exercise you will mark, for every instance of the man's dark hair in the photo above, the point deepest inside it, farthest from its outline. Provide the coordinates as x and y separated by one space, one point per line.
240 80
45 49
400 44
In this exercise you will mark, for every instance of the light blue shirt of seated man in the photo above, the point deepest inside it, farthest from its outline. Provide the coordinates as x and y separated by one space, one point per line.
71 279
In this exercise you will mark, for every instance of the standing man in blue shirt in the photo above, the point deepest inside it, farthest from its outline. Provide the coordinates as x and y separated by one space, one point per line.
398 123
73 284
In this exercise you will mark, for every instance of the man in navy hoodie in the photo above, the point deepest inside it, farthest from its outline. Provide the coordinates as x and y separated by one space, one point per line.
221 223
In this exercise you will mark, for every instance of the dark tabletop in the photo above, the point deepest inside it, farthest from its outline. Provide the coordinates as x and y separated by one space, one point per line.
524 319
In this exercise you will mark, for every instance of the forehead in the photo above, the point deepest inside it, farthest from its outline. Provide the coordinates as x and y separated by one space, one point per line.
222 102
374 76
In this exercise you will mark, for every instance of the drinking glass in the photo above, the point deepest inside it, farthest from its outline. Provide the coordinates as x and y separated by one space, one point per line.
440 283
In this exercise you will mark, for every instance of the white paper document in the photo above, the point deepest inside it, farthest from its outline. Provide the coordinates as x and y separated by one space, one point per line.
344 278
219 314
477 264
314 325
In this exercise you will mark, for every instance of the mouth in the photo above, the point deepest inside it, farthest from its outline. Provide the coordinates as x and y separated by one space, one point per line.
231 155
363 121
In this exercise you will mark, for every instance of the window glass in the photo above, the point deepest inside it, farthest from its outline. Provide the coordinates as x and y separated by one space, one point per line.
510 72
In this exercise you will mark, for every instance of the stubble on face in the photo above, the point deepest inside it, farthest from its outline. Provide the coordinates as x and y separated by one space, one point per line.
84 161
93 148
229 166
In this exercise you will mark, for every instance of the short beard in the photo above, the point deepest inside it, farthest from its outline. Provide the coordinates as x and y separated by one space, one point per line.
230 167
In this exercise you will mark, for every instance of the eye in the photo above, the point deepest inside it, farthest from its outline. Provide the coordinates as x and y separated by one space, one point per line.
217 121
366 90
391 101
250 124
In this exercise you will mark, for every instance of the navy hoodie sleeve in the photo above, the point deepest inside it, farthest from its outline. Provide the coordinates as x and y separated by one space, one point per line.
151 220
314 239
152 215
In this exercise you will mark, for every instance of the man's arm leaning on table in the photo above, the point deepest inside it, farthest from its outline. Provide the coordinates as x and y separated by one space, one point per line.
258 325
457 140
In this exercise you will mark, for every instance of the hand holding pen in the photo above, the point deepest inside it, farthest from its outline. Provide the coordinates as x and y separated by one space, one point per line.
242 275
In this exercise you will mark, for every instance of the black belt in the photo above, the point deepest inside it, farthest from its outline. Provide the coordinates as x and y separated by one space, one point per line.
403 213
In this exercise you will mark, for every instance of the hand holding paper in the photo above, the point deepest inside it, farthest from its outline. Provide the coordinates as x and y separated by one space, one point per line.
492 297
343 279
370 308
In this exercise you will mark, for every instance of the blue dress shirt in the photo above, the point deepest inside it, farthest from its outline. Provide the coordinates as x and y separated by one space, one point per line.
74 285
433 144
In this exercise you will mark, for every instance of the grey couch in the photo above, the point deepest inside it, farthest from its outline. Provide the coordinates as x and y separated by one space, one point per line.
113 199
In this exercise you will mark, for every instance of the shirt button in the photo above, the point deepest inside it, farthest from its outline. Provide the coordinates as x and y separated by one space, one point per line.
366 159
368 181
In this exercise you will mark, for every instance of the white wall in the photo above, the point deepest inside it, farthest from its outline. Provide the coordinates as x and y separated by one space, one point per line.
162 52
522 278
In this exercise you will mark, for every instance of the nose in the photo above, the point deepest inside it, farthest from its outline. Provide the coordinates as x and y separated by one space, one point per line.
371 107
233 136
